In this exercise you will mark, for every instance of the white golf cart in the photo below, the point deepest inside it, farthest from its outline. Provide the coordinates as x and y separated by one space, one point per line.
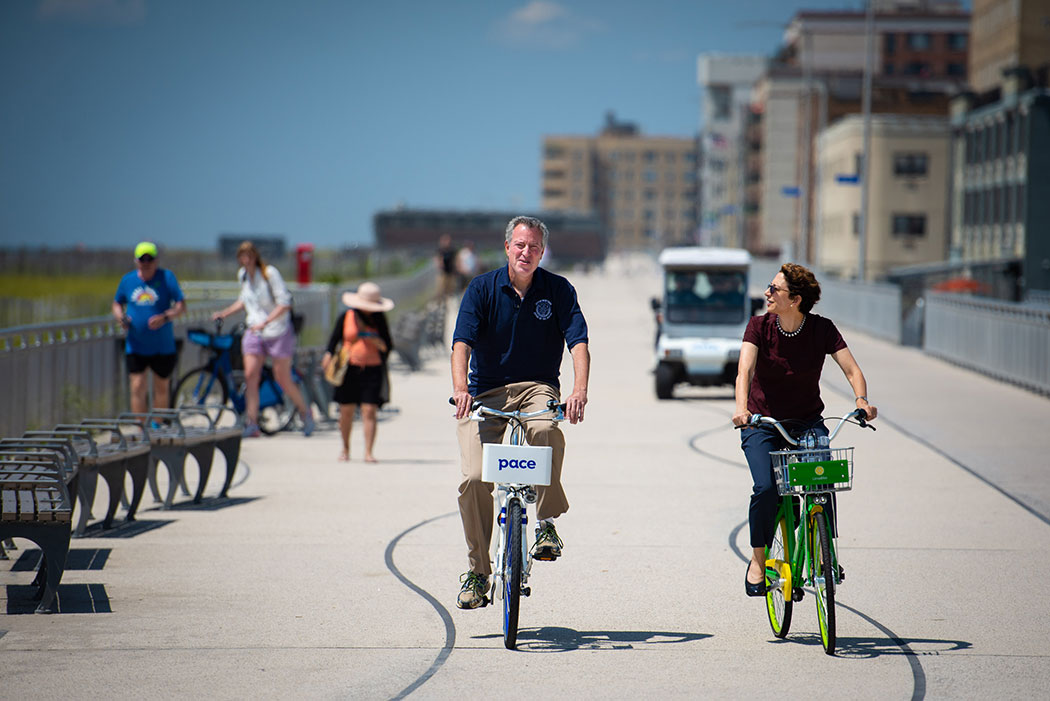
700 316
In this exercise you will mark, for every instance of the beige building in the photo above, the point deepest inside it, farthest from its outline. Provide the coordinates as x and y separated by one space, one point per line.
642 188
1004 35
908 197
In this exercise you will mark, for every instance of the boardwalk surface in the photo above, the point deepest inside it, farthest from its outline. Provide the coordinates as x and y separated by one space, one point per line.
319 579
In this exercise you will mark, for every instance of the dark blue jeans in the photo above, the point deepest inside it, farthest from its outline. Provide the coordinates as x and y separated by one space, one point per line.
757 443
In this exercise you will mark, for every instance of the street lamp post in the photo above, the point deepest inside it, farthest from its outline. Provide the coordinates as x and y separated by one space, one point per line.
869 60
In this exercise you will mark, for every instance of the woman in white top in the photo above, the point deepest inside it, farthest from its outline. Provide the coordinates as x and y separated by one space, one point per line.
267 305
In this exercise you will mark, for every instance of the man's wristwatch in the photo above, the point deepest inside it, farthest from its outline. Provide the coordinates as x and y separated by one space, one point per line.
857 399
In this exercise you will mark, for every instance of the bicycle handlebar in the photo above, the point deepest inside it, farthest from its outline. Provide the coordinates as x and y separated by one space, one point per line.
478 410
859 414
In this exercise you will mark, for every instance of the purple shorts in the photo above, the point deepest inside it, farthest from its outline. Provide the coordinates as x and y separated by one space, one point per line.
282 346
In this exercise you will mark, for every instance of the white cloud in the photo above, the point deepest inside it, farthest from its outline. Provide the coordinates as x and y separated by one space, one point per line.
544 24
93 11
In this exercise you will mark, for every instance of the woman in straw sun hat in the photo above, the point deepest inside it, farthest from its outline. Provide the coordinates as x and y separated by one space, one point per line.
361 334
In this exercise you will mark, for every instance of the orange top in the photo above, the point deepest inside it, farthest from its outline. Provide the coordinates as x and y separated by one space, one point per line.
360 352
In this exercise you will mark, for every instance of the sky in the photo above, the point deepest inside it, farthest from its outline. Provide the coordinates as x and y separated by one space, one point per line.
180 120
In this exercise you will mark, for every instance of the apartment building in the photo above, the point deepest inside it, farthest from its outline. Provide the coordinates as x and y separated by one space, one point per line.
1000 184
920 51
725 83
643 189
907 218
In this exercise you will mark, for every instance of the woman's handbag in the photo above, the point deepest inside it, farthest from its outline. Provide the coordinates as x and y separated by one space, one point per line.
335 373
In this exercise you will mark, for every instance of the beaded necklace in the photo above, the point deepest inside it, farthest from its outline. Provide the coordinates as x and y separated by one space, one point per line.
790 334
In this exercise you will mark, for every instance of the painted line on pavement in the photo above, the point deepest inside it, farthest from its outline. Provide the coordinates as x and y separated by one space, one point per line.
446 617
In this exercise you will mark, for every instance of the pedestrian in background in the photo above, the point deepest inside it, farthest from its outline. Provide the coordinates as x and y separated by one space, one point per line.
147 299
466 265
445 262
267 305
361 334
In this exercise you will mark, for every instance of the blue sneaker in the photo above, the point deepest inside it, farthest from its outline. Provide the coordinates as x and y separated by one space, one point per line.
308 425
252 431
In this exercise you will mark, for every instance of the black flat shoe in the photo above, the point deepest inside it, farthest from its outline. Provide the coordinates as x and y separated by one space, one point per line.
753 589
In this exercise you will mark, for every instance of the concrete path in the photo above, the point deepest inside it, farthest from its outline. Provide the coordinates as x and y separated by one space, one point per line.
319 579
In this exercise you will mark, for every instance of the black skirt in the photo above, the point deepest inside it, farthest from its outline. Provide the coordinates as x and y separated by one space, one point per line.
360 386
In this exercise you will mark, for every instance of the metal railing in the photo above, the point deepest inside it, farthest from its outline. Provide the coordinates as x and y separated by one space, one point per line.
871 307
62 371
1006 340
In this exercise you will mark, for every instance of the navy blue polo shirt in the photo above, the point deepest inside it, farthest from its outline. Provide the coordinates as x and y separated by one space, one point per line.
514 339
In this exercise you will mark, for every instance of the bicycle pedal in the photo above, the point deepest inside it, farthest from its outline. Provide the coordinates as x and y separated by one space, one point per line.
545 557
797 593
526 591
842 574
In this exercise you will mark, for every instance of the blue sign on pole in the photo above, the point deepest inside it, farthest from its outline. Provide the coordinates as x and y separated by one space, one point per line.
844 179
790 191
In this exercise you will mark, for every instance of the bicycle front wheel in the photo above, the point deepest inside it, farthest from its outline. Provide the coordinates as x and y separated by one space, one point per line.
779 603
511 573
200 386
824 582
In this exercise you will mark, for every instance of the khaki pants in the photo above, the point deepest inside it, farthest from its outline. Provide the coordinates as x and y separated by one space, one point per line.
475 496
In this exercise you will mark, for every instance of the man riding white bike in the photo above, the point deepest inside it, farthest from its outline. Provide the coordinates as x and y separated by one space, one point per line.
513 326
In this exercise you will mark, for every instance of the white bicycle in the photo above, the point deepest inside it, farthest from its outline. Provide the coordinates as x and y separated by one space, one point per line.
516 468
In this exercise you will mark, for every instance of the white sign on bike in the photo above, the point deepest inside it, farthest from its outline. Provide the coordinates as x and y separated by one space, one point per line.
516 464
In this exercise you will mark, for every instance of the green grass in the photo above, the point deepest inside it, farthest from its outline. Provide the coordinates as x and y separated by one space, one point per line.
38 286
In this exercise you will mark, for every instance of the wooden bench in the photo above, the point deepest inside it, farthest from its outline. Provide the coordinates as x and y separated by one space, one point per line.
111 459
35 505
173 434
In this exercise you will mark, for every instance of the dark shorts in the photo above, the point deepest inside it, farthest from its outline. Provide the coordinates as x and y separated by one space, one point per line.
361 386
161 365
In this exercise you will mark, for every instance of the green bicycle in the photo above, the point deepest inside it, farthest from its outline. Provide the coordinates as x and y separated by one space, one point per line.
804 554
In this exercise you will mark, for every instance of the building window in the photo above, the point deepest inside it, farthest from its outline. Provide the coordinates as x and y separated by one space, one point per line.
957 42
910 164
917 68
1019 203
856 223
967 208
1022 132
920 41
909 225
650 175
890 44
888 69
554 151
720 97
957 70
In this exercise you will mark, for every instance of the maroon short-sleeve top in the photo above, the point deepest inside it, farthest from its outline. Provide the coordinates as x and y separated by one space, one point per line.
786 384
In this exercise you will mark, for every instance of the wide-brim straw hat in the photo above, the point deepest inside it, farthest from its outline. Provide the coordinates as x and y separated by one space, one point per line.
368 299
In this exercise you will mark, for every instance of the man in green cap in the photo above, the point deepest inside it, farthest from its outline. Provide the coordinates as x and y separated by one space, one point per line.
147 300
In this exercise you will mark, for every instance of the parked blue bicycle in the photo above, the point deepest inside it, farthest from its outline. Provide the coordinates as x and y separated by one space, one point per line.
218 382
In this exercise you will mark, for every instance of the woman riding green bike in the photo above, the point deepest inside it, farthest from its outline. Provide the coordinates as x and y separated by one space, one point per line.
781 358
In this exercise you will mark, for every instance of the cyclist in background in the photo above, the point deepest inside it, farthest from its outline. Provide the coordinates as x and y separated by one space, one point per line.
267 304
781 358
513 326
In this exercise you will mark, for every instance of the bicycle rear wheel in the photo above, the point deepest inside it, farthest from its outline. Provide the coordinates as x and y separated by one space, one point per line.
276 410
824 582
200 386
511 573
779 606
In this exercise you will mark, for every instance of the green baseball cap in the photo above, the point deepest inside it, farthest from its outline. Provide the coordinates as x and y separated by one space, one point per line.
146 248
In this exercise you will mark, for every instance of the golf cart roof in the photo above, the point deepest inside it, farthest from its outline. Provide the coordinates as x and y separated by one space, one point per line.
704 257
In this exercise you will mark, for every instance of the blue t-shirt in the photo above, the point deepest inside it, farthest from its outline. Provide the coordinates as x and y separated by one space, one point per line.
514 339
146 299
